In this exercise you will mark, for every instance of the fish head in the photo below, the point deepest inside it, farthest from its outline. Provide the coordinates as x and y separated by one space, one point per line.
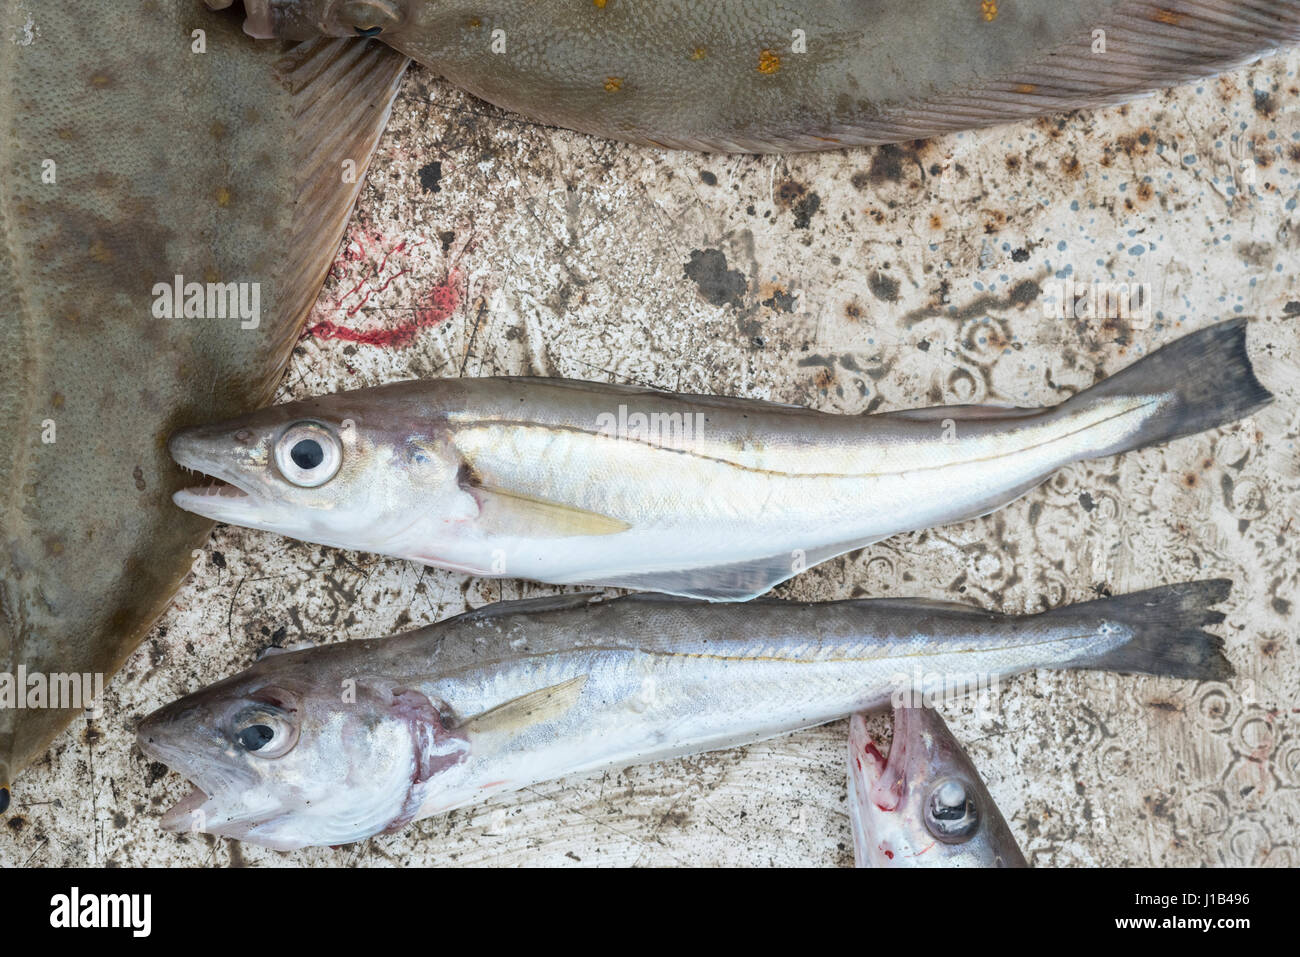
289 754
308 19
924 805
350 472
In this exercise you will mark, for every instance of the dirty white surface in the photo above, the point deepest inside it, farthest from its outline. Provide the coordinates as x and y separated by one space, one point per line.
851 282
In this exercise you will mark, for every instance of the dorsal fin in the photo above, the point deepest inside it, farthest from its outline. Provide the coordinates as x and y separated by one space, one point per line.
524 606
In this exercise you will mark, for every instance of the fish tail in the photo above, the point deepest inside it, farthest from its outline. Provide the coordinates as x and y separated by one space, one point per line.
1167 634
1201 381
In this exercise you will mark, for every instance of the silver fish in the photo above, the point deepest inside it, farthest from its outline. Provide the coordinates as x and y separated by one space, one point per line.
924 806
700 496
767 76
333 744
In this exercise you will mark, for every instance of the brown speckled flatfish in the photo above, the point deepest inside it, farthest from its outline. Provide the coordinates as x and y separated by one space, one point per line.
170 200
775 75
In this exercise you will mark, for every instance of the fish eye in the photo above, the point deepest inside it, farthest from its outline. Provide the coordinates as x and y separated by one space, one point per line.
264 730
950 812
370 17
308 454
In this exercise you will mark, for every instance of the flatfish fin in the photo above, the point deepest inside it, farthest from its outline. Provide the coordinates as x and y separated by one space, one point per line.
1149 45
342 93
224 168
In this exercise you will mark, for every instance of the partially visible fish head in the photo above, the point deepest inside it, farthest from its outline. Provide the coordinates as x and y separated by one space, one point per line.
287 756
307 19
924 805
330 470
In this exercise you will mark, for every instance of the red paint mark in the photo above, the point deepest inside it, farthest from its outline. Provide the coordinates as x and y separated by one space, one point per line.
367 267
436 306
370 292
889 854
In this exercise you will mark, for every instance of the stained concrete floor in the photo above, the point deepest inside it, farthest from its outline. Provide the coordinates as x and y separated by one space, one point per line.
854 281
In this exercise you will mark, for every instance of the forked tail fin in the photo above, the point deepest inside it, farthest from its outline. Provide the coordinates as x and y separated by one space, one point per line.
1166 624
1201 381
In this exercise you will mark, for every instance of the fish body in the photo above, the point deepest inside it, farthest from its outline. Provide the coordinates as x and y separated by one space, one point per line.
700 496
333 744
925 805
772 76
145 156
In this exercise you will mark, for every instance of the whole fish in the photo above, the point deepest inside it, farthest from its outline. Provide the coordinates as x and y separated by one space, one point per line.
765 76
336 743
170 202
700 496
925 805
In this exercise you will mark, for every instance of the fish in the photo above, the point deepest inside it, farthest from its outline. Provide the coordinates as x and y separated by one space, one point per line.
332 744
759 76
925 805
170 204
705 497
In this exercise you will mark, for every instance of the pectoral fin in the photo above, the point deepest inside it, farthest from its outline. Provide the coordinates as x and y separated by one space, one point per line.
504 511
536 707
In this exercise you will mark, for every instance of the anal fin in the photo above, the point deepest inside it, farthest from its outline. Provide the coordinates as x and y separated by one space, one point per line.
737 581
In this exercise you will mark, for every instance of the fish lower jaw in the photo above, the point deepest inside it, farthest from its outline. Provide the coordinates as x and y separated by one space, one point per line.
220 501
188 813
217 489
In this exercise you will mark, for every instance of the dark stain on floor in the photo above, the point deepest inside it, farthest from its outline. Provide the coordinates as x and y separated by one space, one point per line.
718 285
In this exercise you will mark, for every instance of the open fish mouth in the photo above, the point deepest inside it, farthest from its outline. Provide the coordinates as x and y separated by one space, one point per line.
220 500
225 496
182 815
883 777
201 809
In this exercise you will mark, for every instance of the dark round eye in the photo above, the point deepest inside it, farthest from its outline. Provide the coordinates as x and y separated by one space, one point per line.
950 812
255 736
372 32
264 730
308 454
